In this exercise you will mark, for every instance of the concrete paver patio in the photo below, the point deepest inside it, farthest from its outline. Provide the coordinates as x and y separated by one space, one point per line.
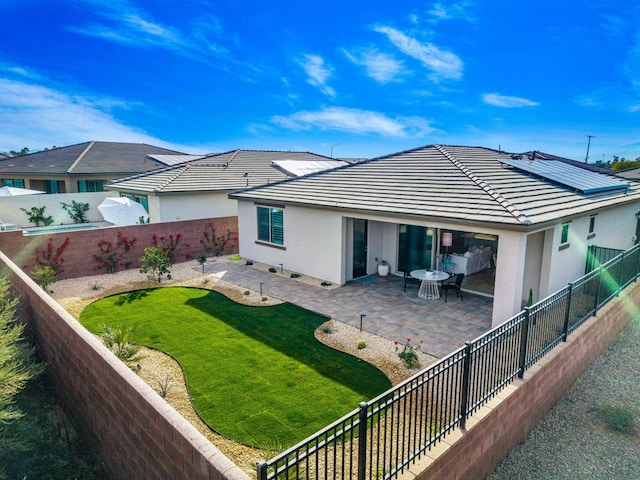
390 312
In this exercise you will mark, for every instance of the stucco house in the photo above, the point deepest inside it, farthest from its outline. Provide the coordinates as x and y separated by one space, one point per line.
85 167
533 219
200 188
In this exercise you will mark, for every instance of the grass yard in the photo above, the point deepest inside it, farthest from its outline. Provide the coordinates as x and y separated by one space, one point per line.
256 374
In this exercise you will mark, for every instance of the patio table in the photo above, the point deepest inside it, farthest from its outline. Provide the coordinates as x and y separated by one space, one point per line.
429 282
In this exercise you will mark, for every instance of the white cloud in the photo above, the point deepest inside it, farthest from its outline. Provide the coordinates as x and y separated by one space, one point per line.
381 67
505 101
122 23
352 120
440 11
318 73
37 116
443 64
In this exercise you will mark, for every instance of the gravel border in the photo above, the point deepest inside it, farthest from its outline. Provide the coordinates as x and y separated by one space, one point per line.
165 375
573 441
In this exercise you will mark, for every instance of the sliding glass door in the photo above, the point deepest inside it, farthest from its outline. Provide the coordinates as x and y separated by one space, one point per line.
415 246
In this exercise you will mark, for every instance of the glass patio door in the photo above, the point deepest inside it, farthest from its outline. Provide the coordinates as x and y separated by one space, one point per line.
359 248
415 246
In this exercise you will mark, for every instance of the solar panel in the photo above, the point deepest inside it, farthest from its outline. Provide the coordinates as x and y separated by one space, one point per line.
571 176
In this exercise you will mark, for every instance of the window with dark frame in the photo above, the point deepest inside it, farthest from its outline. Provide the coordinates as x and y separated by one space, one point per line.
271 225
592 224
564 237
13 182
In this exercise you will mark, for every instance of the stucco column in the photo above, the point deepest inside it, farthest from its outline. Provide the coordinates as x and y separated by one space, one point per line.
512 247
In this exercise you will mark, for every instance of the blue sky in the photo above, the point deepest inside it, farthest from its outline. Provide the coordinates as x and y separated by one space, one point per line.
352 79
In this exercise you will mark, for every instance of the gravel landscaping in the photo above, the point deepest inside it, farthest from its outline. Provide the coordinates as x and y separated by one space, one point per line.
164 375
593 433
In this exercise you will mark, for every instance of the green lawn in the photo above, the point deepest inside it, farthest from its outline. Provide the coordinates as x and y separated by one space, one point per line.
255 374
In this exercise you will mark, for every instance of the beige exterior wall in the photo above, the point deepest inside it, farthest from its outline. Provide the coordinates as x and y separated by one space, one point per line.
172 208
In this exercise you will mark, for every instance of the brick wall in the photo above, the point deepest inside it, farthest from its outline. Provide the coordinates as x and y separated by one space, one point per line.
129 425
498 427
78 256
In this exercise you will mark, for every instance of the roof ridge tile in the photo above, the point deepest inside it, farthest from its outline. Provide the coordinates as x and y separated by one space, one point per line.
503 202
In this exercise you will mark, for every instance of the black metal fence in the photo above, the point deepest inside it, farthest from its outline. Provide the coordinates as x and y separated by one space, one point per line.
383 436
596 256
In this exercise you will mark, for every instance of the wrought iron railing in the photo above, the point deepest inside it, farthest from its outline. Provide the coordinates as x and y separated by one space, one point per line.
382 437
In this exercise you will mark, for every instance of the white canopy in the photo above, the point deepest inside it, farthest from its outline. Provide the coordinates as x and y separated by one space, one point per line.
13 191
122 211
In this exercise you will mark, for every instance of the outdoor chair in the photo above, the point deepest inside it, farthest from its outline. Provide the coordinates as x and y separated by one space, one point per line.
455 286
407 275
7 226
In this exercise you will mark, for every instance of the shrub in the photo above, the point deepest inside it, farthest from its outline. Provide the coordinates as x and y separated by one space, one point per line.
361 344
295 275
619 419
264 299
17 366
52 257
246 292
216 244
409 354
169 244
36 215
110 258
273 270
325 284
76 210
326 329
117 340
44 276
249 262
201 259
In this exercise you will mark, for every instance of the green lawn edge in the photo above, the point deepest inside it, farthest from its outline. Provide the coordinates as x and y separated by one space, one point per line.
256 374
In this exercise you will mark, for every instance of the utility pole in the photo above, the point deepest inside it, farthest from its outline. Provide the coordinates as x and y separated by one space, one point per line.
586 159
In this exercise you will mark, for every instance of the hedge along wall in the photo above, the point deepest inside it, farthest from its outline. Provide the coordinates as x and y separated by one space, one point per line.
83 245
129 426
506 420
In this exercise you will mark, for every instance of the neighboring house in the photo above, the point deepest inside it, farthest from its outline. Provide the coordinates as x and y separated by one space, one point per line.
85 167
534 219
629 173
200 188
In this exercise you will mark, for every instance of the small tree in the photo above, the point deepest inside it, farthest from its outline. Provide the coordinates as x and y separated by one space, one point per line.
17 366
36 215
76 210
156 263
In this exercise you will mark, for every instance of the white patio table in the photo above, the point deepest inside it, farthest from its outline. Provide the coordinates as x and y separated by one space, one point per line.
429 282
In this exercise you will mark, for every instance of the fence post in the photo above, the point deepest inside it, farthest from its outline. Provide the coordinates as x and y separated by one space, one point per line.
620 275
524 339
466 382
362 441
567 314
262 470
597 297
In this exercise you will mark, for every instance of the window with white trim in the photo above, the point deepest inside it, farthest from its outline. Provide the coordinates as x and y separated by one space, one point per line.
271 225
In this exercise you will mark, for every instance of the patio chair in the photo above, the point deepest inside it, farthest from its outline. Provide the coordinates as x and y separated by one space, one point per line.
407 277
7 226
455 286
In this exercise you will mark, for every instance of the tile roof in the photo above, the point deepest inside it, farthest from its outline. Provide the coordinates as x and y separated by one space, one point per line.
464 184
88 158
226 172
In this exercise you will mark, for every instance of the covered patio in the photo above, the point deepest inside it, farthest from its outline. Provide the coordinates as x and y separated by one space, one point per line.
388 310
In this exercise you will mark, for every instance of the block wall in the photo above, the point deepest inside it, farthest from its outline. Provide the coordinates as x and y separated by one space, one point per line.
79 254
129 426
